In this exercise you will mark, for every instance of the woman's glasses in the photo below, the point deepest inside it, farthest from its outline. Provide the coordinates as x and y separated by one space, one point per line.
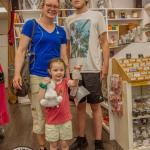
54 7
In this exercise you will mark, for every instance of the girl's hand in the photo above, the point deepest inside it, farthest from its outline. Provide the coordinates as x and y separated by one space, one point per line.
78 67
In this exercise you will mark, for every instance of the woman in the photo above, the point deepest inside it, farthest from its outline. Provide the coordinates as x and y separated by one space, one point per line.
49 41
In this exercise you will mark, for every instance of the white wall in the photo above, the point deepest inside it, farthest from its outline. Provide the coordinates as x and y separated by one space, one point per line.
119 3
123 3
115 3
3 25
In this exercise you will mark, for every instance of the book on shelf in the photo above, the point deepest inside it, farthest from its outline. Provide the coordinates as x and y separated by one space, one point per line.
18 31
18 18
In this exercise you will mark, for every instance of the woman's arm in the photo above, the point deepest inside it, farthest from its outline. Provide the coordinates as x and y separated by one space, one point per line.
19 59
42 91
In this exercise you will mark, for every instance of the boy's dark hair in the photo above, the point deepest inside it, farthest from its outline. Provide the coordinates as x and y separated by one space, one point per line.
57 59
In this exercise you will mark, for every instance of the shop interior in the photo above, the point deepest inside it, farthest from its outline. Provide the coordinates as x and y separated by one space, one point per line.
126 106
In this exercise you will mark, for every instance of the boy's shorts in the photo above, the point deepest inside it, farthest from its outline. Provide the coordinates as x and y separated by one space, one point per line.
91 81
36 109
57 132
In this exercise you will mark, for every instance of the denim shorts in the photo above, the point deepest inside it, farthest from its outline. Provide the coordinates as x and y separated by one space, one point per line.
91 81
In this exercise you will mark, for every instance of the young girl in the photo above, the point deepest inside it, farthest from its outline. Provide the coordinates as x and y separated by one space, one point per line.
58 128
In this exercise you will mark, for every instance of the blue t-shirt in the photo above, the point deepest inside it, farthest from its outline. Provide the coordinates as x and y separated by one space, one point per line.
45 45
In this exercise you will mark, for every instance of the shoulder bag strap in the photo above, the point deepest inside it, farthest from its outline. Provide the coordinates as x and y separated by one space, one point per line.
28 52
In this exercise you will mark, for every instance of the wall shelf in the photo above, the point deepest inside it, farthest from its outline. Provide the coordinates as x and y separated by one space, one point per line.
105 127
125 19
105 105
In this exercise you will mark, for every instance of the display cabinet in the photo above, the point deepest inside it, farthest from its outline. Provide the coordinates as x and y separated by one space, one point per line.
132 129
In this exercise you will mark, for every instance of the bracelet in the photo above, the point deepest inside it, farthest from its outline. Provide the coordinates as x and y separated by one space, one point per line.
43 86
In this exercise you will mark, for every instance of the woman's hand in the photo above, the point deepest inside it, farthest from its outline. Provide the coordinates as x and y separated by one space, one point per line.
17 82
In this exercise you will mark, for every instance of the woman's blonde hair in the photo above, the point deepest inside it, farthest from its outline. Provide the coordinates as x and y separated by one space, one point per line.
43 3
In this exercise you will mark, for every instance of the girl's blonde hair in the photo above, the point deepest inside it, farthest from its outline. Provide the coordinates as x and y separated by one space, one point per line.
42 3
54 60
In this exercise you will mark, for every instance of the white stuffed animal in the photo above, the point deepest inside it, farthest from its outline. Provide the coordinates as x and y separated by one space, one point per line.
51 97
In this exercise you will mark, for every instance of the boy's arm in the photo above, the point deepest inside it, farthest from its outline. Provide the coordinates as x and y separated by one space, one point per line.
106 53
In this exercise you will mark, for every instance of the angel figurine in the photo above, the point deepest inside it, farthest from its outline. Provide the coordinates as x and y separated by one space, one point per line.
34 4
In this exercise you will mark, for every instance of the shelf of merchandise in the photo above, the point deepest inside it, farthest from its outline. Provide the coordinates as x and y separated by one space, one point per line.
105 105
141 83
124 124
26 15
18 24
29 14
28 10
142 148
118 46
125 19
17 38
105 127
141 117
124 9
112 30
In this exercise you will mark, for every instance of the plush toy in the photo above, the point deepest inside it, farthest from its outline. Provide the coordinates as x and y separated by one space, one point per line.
52 99
78 92
75 76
